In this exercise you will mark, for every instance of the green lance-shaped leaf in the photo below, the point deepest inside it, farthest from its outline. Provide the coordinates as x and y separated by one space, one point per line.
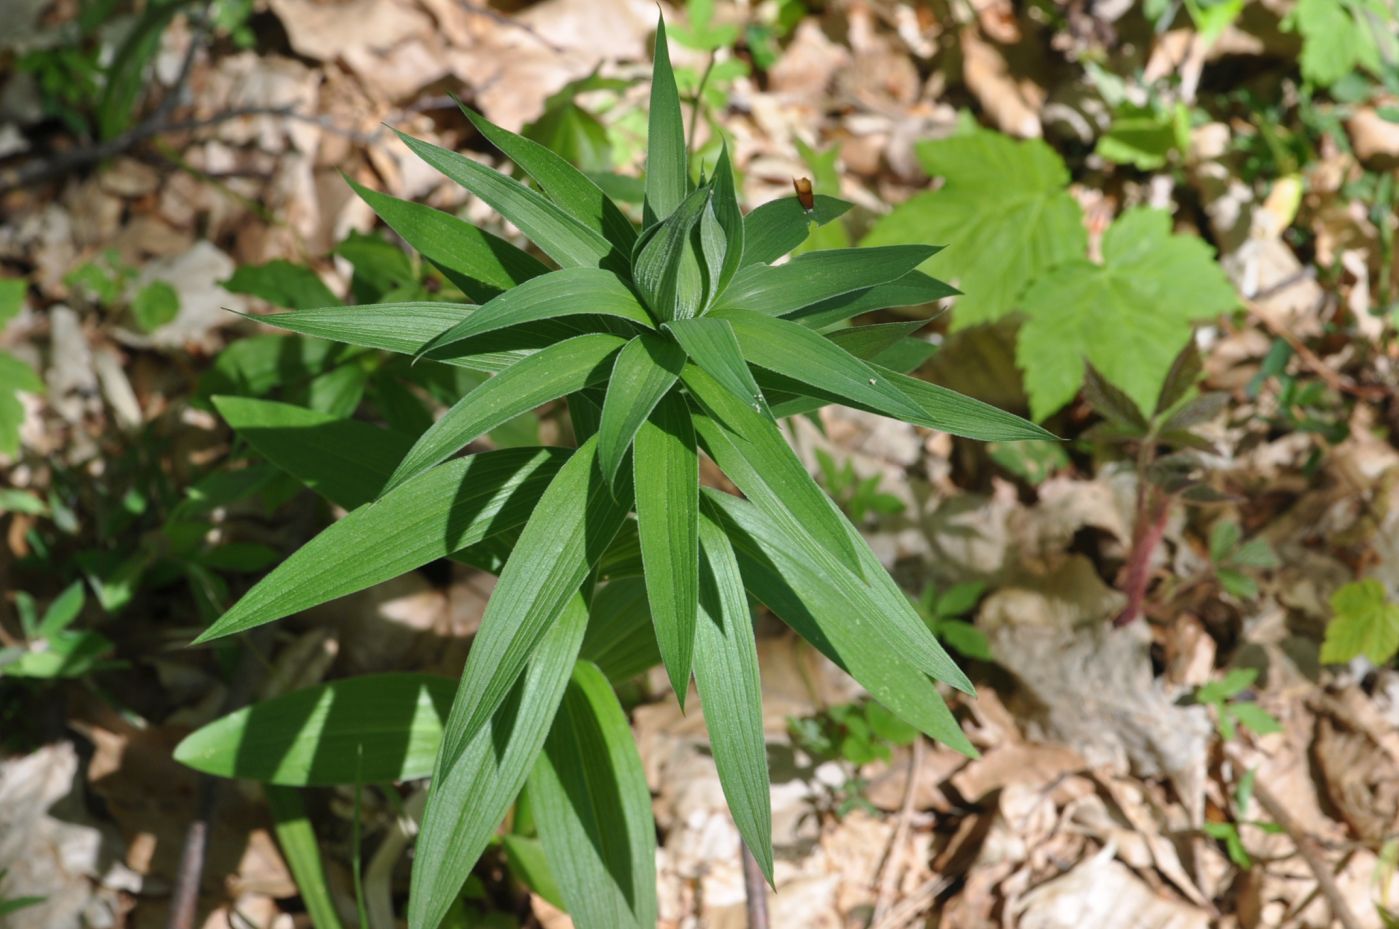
572 526
297 838
562 182
776 290
667 162
753 454
730 219
473 787
546 375
667 512
366 729
619 639
731 693
948 411
869 342
645 370
480 264
796 352
545 223
485 494
570 292
833 613
913 289
593 809
711 344
666 263
777 227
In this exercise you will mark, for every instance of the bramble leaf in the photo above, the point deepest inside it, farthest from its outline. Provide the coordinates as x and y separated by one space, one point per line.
1365 622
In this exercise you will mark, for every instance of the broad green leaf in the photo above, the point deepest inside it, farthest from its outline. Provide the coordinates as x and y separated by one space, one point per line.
409 526
546 375
297 838
829 612
281 283
1128 317
543 222
645 370
666 265
593 809
1339 36
777 227
711 344
666 465
667 162
752 453
1364 622
12 291
731 693
730 219
620 640
570 292
573 523
473 787
16 377
1004 213
366 729
1141 136
482 265
913 289
794 351
562 182
154 305
776 290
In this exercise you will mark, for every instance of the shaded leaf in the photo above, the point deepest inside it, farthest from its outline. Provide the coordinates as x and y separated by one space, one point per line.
644 371
814 277
777 227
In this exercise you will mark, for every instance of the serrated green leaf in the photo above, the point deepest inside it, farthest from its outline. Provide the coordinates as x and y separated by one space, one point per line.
1364 622
1254 717
815 277
15 377
711 344
543 222
1337 39
480 264
796 352
562 182
620 639
1128 317
281 283
404 529
828 613
366 729
1004 213
593 810
731 693
777 227
913 289
753 454
546 375
1141 136
666 466
473 787
570 292
666 266
572 525
645 370
667 162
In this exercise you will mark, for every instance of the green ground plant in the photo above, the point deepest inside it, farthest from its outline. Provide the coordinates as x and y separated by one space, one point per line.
678 339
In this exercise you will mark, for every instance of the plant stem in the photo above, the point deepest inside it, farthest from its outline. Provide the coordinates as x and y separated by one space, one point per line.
1151 528
698 103
756 889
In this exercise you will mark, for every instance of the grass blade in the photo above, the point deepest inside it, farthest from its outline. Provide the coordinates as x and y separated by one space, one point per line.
593 810
776 290
667 162
667 513
731 693
645 369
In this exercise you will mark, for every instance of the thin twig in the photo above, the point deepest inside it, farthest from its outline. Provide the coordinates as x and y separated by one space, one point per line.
890 871
1311 854
1309 358
755 890
914 905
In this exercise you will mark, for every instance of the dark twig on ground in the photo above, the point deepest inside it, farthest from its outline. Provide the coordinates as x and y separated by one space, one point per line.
1310 851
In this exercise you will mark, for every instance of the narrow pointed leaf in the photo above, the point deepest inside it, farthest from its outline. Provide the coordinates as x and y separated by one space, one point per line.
546 375
593 810
573 523
730 217
868 342
570 292
777 227
543 222
562 182
297 838
948 411
711 344
731 693
913 289
796 352
776 290
752 453
665 266
402 530
645 369
620 640
474 788
667 162
667 512
827 611
482 265
367 729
